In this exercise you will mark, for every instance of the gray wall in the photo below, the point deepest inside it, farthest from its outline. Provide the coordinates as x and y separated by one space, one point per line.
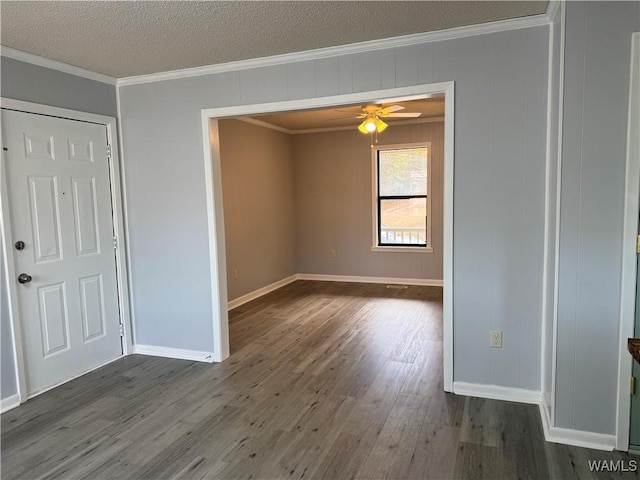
597 61
257 185
501 88
31 83
333 204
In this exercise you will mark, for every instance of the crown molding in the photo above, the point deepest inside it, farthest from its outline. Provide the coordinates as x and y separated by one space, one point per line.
271 126
55 65
309 55
553 8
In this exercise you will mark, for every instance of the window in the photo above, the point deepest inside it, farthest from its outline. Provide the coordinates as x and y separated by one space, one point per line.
401 190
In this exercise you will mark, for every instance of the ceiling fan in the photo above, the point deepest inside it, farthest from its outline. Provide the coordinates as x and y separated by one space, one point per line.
373 113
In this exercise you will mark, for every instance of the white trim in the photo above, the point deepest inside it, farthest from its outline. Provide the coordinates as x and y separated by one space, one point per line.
9 403
236 302
576 438
215 210
262 123
130 326
168 352
556 273
55 65
358 279
553 8
545 417
380 44
629 255
447 249
10 275
496 392
375 248
116 207
217 246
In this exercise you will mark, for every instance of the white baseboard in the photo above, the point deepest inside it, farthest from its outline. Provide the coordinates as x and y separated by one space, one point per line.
579 438
169 352
8 403
545 418
383 280
497 392
236 302
553 434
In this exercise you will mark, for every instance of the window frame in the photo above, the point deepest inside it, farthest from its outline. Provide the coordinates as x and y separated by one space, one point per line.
375 190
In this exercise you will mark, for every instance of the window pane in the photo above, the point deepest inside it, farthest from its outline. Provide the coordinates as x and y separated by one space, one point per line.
403 221
403 171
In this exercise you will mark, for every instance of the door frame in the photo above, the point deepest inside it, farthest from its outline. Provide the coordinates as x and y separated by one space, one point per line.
121 251
215 211
629 255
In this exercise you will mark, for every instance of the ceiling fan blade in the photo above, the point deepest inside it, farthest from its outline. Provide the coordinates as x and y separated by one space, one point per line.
390 109
401 115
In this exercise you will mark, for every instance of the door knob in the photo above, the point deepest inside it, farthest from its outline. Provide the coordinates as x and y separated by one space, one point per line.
24 278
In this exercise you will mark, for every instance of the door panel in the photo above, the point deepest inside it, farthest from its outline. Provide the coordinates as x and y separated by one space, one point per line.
60 207
85 215
92 307
43 192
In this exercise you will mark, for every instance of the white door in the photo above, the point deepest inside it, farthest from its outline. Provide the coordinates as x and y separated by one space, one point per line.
60 208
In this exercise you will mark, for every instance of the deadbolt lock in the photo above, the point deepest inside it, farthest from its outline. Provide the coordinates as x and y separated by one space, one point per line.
20 245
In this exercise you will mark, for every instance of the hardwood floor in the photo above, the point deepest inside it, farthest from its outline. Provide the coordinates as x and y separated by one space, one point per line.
325 380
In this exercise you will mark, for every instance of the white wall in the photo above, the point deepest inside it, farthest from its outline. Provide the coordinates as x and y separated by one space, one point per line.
597 62
501 88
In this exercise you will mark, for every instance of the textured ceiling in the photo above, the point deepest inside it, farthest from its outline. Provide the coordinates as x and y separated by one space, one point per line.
346 116
125 38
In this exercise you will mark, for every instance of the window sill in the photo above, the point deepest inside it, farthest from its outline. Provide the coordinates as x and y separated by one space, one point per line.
402 249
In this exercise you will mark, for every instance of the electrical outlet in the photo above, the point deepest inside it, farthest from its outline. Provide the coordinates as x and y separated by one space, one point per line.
236 274
332 253
495 340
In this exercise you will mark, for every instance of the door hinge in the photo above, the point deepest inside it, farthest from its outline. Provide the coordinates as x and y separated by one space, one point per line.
632 386
115 243
638 244
121 330
108 150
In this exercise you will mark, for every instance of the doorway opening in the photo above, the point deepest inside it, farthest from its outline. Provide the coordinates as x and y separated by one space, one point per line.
213 172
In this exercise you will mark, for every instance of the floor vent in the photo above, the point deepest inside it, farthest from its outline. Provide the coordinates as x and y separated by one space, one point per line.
397 287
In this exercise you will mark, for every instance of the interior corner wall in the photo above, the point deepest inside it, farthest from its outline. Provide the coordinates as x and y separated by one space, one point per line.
596 101
258 186
333 199
500 139
35 84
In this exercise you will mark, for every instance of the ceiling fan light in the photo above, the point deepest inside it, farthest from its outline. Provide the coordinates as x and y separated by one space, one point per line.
368 126
363 127
379 124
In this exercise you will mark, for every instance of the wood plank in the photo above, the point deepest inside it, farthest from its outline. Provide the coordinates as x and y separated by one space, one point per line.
325 380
